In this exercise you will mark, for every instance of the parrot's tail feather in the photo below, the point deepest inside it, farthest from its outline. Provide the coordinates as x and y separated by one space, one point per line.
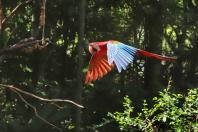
156 56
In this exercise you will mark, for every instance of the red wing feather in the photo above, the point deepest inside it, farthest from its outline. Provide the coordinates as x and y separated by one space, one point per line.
98 67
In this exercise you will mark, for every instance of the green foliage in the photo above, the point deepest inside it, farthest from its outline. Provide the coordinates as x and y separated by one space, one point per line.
171 111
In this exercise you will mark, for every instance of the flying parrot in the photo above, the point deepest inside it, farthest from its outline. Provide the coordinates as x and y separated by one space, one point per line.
108 54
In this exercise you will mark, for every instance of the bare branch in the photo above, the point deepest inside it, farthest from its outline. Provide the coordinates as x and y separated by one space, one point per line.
17 46
58 106
35 110
13 12
52 101
40 98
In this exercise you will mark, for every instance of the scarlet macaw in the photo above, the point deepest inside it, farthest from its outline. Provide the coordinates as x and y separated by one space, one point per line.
107 54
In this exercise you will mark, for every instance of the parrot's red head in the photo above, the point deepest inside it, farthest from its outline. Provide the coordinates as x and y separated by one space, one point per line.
96 46
93 47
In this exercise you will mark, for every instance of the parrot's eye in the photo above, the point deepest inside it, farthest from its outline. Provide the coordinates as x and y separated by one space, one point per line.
95 50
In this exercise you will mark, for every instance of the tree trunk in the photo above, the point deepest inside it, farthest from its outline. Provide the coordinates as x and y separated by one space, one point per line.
153 34
35 34
80 62
38 32
180 82
1 16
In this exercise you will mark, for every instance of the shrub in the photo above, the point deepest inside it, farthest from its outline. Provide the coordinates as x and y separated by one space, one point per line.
170 112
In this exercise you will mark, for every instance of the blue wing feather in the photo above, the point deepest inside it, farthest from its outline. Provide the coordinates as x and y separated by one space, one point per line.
122 55
118 64
126 56
122 62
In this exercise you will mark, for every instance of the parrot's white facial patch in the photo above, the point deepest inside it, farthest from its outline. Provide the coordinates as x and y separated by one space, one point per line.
93 47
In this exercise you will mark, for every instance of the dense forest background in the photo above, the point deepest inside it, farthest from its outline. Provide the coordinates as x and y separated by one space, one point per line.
43 51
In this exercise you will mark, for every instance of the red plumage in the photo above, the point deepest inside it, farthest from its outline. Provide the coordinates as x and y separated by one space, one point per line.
108 54
156 56
98 65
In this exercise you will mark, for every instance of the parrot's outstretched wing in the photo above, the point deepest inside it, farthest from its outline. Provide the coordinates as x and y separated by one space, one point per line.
98 66
120 54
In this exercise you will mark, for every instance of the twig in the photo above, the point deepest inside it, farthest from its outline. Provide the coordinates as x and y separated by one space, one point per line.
15 10
35 110
58 106
40 98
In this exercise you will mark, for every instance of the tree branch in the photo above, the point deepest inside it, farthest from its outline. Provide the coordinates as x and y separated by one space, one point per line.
40 98
13 12
35 110
18 46
24 45
53 101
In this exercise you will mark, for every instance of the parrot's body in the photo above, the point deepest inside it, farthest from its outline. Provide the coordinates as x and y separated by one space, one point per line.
108 54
